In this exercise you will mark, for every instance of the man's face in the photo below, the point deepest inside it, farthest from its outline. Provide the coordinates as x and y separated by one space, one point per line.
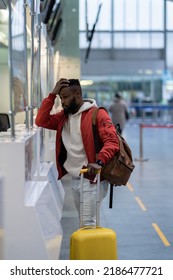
69 101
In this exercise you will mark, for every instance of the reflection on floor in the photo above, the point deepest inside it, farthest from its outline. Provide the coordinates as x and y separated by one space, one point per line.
142 213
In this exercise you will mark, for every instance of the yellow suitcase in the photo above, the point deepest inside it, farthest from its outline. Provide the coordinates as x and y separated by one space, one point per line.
93 243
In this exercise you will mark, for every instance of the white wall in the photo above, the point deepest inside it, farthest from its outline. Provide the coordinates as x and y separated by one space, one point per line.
4 89
68 41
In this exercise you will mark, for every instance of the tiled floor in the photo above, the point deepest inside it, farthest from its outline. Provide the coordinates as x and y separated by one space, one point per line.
142 213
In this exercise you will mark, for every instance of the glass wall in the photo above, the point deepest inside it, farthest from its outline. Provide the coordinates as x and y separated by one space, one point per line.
132 24
126 23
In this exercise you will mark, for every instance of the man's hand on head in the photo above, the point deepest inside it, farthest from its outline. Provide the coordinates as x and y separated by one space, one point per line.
59 85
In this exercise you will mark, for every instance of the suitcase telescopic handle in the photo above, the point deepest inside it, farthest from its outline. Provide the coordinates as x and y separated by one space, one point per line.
82 172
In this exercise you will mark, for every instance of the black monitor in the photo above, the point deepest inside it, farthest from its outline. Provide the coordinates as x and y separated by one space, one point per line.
4 122
47 7
55 22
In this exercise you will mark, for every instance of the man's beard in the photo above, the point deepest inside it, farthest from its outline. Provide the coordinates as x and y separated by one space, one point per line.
72 108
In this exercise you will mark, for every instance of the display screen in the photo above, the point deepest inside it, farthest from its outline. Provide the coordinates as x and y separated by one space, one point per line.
4 122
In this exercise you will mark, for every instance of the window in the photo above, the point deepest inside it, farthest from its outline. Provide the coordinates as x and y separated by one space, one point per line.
169 19
124 19
157 20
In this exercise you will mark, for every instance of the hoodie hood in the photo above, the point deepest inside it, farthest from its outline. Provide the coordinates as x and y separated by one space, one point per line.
88 103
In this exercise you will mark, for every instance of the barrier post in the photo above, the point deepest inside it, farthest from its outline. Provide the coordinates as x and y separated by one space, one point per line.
141 159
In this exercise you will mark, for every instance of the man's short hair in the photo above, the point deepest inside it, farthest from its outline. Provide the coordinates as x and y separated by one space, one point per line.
74 82
117 95
75 85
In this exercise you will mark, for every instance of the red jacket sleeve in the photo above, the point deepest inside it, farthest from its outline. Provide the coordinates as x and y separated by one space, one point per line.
43 118
108 136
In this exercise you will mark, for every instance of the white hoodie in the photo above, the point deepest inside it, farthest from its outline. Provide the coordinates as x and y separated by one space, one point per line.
72 139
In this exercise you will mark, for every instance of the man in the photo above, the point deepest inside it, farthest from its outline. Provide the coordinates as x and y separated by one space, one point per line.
74 141
119 112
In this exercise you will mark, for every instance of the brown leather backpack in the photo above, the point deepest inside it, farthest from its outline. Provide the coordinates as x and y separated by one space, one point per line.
118 170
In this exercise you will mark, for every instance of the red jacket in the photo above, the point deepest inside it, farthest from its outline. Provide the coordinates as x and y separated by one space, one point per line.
105 127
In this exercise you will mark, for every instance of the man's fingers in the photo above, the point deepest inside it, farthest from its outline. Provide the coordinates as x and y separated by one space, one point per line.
59 85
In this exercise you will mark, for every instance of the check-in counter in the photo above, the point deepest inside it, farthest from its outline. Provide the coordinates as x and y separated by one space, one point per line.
32 200
1 216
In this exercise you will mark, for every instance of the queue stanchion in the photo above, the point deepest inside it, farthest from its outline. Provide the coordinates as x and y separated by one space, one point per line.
141 158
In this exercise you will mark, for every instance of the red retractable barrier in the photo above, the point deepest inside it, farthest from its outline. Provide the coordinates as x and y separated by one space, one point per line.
157 125
142 125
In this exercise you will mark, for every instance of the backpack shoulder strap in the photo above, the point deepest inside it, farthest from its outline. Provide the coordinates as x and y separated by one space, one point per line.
94 114
95 130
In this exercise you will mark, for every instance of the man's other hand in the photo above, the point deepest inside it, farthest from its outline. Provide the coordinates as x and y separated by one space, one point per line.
93 168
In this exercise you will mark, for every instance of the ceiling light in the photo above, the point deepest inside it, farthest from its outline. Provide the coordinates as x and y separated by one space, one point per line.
148 72
86 82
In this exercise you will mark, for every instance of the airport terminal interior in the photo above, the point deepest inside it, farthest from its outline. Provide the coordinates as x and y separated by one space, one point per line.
111 46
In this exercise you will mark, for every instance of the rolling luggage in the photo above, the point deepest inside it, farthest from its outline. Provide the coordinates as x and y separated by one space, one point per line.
93 243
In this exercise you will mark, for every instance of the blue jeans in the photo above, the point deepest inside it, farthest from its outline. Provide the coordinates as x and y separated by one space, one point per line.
89 198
